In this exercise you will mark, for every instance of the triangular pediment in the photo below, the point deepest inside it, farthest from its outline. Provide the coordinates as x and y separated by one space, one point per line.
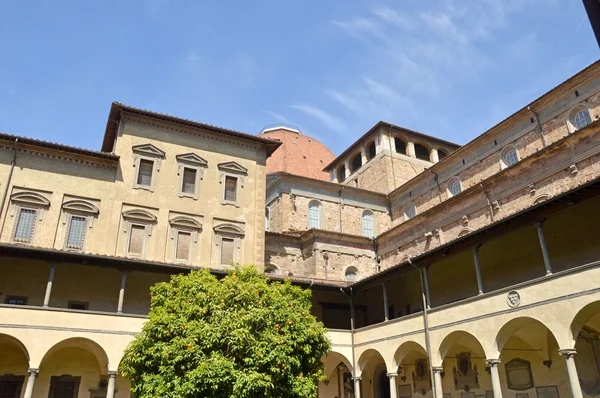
31 198
148 149
81 206
192 158
233 167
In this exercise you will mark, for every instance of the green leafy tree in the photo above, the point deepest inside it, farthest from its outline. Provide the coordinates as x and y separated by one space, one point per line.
240 336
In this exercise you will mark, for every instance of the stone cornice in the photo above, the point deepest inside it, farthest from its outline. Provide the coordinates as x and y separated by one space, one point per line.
59 155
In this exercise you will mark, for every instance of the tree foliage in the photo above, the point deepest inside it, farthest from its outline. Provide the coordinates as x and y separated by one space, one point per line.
241 336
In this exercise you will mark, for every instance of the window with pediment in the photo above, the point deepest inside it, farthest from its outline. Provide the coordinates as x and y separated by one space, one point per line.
229 239
147 160
184 235
28 210
78 217
138 224
232 179
190 171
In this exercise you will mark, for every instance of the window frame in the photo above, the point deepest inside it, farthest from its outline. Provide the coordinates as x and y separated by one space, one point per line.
141 218
503 155
235 170
574 112
404 142
193 162
78 208
149 153
54 380
184 224
407 211
229 231
451 183
357 273
320 213
373 223
31 201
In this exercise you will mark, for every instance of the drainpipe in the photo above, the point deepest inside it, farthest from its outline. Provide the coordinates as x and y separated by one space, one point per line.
350 299
392 155
437 181
426 327
10 174
341 204
487 197
537 120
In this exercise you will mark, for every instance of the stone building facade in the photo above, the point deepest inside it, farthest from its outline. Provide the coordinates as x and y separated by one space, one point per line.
439 270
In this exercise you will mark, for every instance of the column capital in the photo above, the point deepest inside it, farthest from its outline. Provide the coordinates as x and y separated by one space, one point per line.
357 378
437 369
112 373
392 375
33 371
568 353
492 362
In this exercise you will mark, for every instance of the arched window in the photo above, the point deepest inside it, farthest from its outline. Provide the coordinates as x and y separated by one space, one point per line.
441 154
356 163
341 173
421 152
267 219
400 146
581 119
454 187
314 214
509 156
351 274
272 269
372 151
368 224
411 211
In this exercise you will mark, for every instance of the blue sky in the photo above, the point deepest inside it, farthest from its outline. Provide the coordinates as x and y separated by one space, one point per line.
449 68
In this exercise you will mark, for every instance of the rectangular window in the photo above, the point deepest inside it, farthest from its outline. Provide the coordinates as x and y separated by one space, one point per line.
189 181
64 387
78 305
76 233
25 224
136 239
15 300
145 172
10 386
230 188
227 250
184 241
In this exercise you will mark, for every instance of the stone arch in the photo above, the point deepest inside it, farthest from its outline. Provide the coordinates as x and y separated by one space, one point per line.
540 198
464 232
355 162
332 359
510 328
15 341
458 337
367 357
84 343
583 316
422 151
406 348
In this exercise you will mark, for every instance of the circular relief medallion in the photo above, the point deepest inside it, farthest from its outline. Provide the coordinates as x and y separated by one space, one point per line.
513 298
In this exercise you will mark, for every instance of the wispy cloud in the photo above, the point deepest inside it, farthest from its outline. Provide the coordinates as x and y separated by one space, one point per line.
331 122
277 116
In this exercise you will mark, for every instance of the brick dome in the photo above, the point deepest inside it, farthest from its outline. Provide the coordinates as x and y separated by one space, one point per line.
298 154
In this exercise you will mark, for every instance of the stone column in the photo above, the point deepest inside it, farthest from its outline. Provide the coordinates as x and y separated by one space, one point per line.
426 285
572 371
437 380
32 374
393 388
540 230
357 387
386 314
110 389
49 285
363 155
122 292
347 168
434 156
478 269
410 149
496 387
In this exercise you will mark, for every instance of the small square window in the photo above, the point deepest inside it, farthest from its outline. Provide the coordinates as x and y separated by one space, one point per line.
76 232
137 237
188 184
227 250
25 224
146 168
184 244
78 305
230 189
15 300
